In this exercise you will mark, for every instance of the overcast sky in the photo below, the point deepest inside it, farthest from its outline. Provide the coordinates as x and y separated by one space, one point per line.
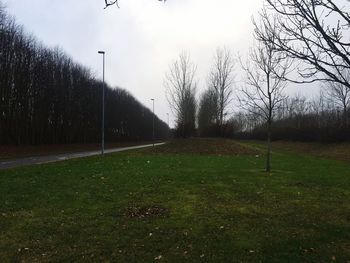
141 38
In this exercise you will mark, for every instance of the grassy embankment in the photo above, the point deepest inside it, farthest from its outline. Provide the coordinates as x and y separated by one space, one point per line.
194 201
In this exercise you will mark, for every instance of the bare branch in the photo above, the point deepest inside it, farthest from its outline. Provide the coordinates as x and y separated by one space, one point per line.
116 2
314 32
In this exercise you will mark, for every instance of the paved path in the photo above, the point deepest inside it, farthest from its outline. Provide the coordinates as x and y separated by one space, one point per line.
6 164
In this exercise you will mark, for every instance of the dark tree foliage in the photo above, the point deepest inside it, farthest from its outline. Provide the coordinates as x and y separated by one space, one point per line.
45 97
208 118
207 114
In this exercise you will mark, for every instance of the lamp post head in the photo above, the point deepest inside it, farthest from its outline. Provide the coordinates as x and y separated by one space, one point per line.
101 52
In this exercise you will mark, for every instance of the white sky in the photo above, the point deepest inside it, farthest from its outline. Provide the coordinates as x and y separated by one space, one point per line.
141 38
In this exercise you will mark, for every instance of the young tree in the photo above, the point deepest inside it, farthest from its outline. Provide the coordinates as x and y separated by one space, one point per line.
265 72
221 80
181 93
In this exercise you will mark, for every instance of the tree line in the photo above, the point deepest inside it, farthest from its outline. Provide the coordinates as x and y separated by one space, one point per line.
318 119
46 97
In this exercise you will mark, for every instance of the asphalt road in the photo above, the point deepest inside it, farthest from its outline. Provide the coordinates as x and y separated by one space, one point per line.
7 164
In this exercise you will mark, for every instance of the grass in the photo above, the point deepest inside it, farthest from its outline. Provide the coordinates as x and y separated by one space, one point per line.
337 151
164 206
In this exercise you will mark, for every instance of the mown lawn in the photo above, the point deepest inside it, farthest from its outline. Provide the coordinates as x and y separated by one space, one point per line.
144 206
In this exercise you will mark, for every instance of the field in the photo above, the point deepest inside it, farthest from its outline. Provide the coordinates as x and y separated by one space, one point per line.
187 201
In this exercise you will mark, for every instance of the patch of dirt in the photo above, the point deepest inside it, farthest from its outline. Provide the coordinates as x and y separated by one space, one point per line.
146 211
203 146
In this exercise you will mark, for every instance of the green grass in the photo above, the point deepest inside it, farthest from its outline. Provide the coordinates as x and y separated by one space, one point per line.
217 209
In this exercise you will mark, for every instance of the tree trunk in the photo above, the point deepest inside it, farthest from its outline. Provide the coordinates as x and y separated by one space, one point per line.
268 155
345 115
221 119
269 122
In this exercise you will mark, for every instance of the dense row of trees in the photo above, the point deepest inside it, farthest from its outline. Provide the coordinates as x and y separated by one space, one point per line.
45 97
321 118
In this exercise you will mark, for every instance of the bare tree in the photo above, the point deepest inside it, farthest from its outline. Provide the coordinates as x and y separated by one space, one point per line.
317 106
241 121
221 80
265 72
314 32
180 92
299 107
340 95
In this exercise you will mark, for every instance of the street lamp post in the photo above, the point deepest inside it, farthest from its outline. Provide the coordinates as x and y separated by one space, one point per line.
103 106
153 123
